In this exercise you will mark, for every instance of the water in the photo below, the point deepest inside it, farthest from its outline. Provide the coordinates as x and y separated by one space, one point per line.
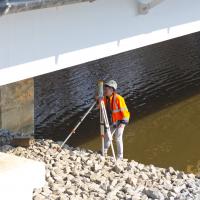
161 85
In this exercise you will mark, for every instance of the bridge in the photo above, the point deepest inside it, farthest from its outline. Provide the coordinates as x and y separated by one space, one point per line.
41 36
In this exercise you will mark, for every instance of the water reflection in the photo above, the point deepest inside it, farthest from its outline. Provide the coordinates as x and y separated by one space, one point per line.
168 137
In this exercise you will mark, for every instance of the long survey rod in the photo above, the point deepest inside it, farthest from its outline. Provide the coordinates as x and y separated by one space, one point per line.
102 128
74 129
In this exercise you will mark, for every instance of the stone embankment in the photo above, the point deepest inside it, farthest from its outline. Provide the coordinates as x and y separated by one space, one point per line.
76 173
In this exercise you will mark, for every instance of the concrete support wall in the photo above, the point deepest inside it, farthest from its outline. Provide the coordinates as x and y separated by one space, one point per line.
17 106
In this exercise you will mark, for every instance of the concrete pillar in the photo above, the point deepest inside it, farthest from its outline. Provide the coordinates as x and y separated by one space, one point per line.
17 106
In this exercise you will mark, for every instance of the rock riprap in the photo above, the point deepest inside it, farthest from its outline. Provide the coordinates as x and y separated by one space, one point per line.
5 137
75 173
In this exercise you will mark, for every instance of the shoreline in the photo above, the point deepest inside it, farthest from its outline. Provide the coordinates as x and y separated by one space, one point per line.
77 173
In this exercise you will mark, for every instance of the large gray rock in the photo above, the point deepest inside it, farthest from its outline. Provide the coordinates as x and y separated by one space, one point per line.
118 168
76 173
154 193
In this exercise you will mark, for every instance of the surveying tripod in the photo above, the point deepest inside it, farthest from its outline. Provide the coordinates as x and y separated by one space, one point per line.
104 123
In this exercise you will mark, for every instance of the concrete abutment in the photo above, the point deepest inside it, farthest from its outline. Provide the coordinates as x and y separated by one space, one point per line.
17 106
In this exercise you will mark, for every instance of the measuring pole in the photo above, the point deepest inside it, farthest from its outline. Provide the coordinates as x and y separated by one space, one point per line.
102 129
81 120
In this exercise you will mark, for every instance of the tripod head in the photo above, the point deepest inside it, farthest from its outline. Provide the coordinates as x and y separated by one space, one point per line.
100 89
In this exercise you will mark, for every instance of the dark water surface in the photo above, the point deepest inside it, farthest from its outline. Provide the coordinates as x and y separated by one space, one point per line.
161 85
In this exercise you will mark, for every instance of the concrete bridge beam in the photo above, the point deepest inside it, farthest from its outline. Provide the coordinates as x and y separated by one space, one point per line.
45 40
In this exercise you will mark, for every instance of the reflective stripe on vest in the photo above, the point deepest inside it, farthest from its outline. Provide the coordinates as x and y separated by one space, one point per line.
126 119
119 110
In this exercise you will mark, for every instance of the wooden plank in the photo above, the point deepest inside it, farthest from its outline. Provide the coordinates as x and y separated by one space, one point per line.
22 141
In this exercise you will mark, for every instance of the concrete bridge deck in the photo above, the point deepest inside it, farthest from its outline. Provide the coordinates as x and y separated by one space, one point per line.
45 40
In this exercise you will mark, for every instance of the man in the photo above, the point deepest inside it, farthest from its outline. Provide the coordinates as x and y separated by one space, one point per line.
118 116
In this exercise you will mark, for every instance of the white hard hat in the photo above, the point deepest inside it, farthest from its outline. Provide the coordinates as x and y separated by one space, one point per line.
112 84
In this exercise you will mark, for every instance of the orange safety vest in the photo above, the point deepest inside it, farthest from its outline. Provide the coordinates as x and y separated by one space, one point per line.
118 108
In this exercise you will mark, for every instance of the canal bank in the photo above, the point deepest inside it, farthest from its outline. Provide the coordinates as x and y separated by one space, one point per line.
77 173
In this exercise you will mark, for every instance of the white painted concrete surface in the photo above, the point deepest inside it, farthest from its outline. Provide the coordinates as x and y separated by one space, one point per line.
42 41
19 176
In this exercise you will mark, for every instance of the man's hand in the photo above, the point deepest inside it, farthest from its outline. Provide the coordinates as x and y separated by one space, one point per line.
120 125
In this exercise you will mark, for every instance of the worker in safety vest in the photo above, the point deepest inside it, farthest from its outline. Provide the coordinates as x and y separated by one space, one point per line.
118 116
